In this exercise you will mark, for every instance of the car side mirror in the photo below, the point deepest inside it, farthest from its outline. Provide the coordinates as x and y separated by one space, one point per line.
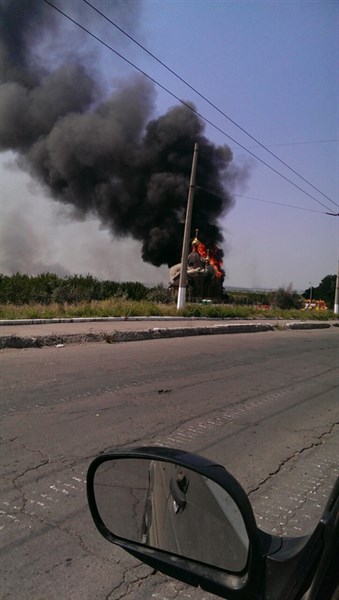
181 514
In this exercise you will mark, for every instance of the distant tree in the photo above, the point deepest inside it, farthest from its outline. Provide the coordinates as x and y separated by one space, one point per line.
159 294
286 298
324 291
133 290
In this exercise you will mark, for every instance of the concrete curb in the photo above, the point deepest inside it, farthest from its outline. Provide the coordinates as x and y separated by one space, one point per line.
130 335
112 337
309 325
4 322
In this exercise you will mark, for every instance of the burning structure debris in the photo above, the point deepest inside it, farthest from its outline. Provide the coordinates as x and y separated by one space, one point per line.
205 274
108 157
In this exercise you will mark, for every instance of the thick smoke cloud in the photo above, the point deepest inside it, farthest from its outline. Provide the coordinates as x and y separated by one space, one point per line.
108 158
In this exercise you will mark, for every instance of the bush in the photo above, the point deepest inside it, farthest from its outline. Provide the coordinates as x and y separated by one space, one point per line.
48 288
286 299
248 298
132 290
159 294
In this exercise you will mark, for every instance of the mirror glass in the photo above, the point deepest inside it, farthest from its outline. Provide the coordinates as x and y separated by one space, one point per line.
171 508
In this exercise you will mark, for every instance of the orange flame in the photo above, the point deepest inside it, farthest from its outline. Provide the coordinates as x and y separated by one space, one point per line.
211 256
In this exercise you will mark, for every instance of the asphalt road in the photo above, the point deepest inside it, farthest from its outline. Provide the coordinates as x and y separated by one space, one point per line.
264 405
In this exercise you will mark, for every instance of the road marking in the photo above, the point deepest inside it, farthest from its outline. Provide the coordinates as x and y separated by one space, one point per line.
45 501
190 432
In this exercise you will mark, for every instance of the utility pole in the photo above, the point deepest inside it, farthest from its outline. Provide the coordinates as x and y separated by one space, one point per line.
336 297
187 233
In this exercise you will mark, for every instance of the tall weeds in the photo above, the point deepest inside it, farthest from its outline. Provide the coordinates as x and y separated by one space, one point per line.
130 308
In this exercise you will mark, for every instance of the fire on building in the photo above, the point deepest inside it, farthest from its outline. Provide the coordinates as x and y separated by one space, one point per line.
205 274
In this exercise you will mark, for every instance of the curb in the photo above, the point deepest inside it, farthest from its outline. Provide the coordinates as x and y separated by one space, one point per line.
116 336
4 322
14 341
308 325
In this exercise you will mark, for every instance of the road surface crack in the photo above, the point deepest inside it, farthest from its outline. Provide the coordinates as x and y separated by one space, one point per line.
134 582
314 444
43 461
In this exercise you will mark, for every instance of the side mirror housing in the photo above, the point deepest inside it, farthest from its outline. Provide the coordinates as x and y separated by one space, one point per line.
183 515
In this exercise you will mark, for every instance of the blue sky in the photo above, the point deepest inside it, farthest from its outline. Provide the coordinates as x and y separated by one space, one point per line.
273 68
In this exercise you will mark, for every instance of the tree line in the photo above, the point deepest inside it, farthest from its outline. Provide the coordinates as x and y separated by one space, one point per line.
324 291
49 288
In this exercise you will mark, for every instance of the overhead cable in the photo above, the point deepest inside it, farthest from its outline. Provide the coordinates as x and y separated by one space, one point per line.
319 212
301 143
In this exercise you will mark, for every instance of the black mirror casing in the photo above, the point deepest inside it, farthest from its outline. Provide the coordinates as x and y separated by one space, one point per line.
248 584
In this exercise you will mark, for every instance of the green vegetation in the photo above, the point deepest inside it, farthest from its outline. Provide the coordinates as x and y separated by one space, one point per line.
48 296
287 299
143 308
48 288
324 291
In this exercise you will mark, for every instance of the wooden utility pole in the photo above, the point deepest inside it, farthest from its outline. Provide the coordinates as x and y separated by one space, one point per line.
187 233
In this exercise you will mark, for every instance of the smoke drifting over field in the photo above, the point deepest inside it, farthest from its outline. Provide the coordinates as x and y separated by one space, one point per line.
106 157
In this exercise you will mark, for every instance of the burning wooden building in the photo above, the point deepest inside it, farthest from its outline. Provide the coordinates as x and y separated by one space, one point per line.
205 274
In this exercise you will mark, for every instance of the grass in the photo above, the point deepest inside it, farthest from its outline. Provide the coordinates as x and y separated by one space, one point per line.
127 308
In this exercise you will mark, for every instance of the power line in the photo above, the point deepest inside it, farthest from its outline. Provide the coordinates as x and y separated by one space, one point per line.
321 212
300 143
186 104
265 147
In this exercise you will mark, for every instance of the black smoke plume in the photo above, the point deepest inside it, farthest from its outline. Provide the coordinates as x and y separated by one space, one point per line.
107 158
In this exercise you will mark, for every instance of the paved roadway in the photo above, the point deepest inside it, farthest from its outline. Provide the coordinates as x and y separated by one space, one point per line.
265 405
